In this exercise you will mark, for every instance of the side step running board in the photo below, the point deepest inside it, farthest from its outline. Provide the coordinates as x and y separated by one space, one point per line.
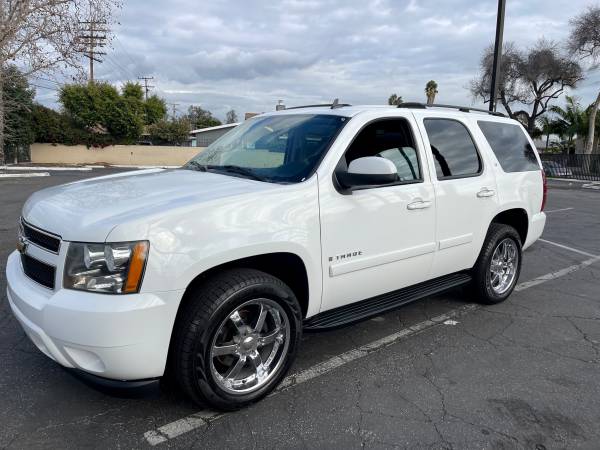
355 312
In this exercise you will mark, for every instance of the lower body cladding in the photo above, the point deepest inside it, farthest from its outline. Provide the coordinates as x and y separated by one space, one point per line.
122 337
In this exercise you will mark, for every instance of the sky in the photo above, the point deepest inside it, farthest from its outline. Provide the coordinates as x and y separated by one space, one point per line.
246 55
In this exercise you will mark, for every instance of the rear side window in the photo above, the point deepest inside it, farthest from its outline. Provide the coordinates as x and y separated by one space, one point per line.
510 145
453 149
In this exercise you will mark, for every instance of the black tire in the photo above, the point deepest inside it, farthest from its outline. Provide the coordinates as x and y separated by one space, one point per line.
200 319
482 284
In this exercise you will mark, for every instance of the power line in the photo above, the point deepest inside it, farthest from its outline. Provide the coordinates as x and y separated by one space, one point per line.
37 77
45 87
125 51
113 61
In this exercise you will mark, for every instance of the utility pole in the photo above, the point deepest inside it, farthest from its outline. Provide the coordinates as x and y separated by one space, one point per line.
497 54
147 87
174 106
92 37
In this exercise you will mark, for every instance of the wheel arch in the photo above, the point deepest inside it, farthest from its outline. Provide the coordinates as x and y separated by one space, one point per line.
516 218
288 267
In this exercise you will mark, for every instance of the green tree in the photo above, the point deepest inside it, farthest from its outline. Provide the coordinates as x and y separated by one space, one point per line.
155 109
431 89
133 90
201 118
395 100
571 120
18 97
170 132
42 36
52 127
99 109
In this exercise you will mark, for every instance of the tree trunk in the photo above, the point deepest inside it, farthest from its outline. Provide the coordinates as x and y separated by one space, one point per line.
589 144
547 140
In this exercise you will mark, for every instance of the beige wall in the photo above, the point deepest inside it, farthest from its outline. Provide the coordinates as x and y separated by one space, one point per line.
134 155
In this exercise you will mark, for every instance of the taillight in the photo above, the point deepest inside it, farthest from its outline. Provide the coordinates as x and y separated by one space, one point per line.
545 196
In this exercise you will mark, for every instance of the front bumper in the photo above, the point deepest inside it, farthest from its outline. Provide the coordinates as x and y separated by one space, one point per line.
122 337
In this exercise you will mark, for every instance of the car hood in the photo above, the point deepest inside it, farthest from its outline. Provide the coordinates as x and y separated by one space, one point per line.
88 210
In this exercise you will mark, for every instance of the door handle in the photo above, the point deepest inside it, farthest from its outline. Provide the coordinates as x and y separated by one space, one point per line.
418 204
485 192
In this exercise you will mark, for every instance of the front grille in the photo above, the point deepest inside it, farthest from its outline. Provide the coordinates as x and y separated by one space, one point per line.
41 238
38 271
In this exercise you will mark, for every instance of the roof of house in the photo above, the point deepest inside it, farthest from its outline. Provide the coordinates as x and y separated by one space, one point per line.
218 127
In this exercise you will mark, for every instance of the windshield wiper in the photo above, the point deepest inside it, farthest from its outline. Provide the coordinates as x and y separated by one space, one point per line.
195 165
237 170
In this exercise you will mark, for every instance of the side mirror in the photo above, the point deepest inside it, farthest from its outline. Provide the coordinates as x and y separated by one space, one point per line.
368 171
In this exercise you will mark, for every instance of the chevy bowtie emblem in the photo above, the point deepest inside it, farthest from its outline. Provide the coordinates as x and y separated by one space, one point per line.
22 245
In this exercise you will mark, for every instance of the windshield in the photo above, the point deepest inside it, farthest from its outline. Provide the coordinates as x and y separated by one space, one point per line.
281 148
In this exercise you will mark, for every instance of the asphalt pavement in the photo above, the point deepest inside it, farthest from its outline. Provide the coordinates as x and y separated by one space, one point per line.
439 373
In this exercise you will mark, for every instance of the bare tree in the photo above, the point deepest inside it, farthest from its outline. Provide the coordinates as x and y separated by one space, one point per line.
431 89
40 36
584 41
529 80
231 116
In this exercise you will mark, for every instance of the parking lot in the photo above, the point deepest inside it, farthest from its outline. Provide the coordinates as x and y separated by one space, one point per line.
440 373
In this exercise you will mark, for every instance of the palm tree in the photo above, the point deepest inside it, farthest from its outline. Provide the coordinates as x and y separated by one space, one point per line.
395 99
548 126
430 91
571 121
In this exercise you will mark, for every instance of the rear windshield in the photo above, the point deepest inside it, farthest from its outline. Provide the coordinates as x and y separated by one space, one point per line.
510 145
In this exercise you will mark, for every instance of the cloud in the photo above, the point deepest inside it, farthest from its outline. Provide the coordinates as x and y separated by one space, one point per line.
247 55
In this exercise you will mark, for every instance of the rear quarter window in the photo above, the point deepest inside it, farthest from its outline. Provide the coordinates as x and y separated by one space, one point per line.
510 145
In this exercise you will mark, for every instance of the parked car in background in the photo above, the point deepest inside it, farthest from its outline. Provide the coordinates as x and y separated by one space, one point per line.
307 218
556 169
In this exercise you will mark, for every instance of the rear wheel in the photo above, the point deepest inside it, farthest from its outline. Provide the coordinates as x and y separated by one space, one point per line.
499 264
236 338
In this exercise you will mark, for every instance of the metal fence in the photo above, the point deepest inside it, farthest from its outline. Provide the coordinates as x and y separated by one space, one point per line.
17 154
580 167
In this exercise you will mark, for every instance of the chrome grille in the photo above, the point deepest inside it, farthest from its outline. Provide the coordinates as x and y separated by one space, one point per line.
41 238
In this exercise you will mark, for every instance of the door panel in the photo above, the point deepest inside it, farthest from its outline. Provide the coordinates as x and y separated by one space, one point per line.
465 204
381 239
372 243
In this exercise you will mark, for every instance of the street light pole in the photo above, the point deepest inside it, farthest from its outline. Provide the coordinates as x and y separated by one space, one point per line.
497 54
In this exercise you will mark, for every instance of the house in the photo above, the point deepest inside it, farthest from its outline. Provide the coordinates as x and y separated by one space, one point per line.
203 137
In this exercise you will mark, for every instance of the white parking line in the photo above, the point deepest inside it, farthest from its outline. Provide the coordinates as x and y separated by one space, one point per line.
24 175
187 424
197 420
25 168
556 244
559 210
557 274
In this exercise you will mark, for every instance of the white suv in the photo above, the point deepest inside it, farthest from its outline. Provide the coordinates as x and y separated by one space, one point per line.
307 218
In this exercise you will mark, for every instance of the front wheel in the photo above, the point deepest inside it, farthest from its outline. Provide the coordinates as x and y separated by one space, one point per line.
236 338
498 267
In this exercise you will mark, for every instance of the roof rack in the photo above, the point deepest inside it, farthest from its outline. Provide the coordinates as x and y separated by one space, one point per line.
418 105
336 104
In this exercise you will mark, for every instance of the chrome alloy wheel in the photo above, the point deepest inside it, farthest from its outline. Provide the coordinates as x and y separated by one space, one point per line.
504 265
249 346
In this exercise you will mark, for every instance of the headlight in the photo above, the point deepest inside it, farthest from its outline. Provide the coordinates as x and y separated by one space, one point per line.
107 268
